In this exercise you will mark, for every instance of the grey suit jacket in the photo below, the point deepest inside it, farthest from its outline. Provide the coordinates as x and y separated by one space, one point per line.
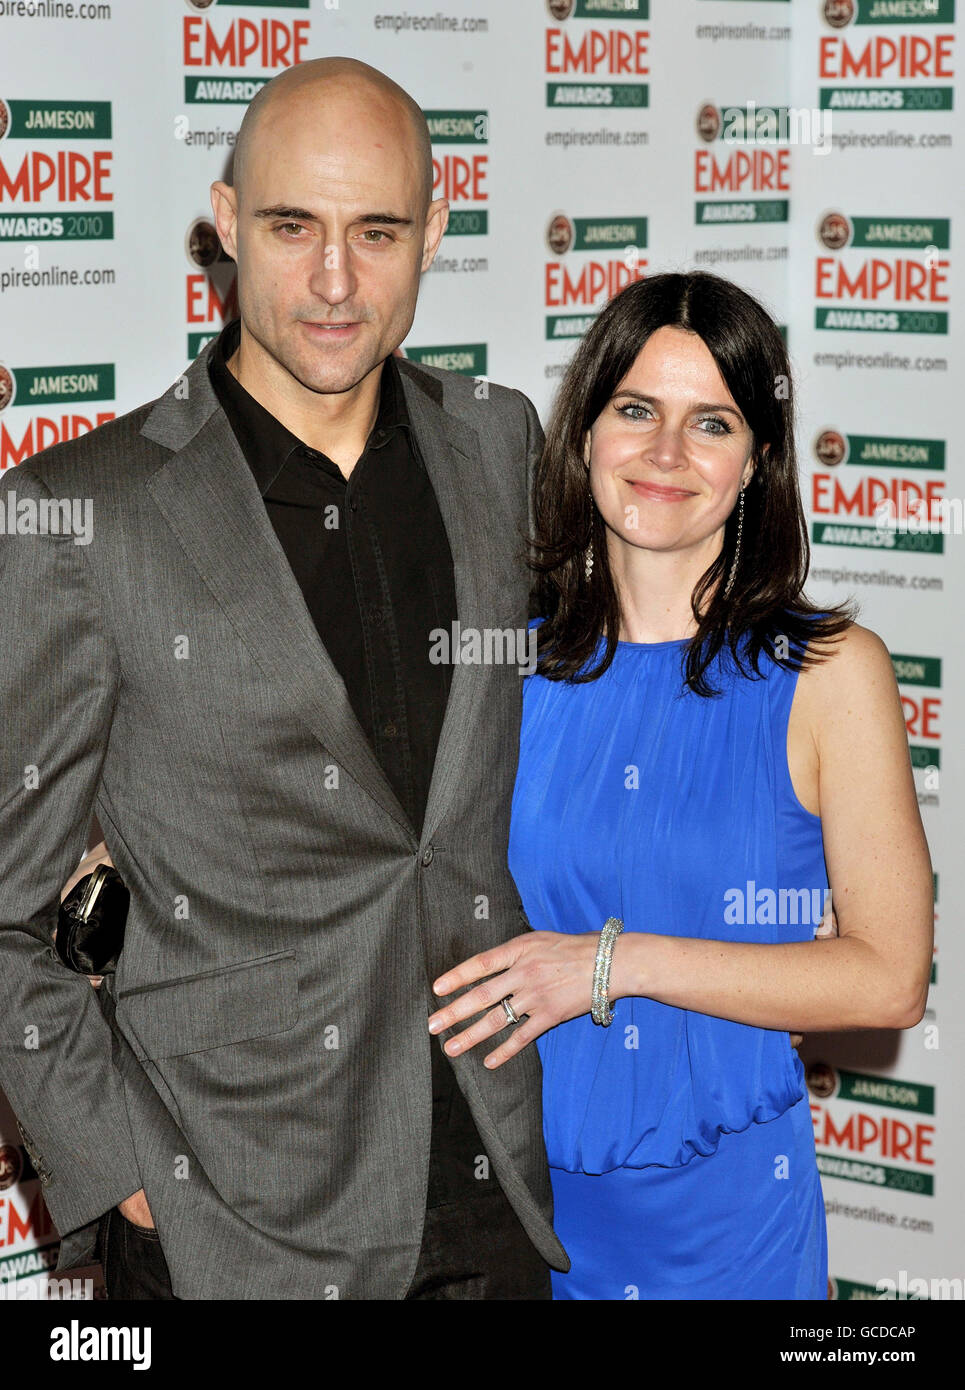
260 1065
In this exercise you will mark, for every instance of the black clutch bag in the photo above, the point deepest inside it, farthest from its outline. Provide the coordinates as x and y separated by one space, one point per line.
90 927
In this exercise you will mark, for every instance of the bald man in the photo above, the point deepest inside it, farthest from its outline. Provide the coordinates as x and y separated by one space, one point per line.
240 674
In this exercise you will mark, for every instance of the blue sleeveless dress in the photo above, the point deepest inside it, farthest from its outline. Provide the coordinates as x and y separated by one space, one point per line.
680 1145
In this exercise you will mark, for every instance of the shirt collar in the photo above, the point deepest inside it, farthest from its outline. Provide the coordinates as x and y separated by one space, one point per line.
267 444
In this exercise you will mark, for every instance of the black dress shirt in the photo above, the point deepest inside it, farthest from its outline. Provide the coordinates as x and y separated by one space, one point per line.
372 559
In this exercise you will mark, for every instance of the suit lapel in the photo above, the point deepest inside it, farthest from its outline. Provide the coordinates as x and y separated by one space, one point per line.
210 500
450 450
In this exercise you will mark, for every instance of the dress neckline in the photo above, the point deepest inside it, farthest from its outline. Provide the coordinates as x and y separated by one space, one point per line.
654 646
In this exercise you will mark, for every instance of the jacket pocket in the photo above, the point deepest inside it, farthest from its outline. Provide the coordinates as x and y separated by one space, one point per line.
251 999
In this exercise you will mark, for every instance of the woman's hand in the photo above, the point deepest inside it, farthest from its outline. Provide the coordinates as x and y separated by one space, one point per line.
549 976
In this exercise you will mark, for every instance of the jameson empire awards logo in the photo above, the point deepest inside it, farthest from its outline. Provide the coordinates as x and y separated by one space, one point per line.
890 71
461 175
882 274
838 14
468 359
590 65
896 502
76 182
41 387
764 167
857 1142
222 43
920 681
593 258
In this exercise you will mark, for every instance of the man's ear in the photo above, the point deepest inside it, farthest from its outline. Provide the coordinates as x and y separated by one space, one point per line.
224 206
437 220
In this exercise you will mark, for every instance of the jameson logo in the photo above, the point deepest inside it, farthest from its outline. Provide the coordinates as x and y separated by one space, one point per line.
590 233
901 231
263 4
598 9
580 286
751 905
605 66
469 359
878 451
52 120
880 1090
888 62
840 13
918 670
748 124
461 177
458 127
836 230
825 1082
50 385
882 285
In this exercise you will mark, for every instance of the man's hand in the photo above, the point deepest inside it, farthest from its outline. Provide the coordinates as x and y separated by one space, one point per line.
100 854
136 1209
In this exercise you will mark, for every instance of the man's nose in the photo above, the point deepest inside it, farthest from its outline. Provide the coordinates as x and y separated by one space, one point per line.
333 278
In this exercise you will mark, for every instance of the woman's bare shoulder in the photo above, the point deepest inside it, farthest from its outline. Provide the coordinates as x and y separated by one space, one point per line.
852 678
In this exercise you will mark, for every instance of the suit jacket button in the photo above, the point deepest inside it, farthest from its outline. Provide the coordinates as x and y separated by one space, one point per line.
427 856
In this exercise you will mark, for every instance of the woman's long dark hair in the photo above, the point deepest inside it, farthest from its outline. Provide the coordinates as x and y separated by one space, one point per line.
766 601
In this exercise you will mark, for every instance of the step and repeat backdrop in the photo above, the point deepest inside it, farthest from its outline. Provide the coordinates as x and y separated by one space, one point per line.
811 150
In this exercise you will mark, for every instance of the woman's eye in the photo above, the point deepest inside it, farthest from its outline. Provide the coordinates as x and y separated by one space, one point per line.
722 425
634 412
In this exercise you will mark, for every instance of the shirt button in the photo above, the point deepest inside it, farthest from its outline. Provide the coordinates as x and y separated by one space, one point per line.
390 730
376 617
427 856
379 438
353 506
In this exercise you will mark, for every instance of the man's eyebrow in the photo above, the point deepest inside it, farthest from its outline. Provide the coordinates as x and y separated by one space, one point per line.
280 210
655 400
292 214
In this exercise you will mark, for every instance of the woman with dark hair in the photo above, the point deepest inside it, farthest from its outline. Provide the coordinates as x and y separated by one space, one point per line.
702 750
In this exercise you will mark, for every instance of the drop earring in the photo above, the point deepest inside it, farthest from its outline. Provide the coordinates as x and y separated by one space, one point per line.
737 548
588 565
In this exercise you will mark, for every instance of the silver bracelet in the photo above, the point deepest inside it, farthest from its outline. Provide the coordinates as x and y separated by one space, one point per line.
600 1000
